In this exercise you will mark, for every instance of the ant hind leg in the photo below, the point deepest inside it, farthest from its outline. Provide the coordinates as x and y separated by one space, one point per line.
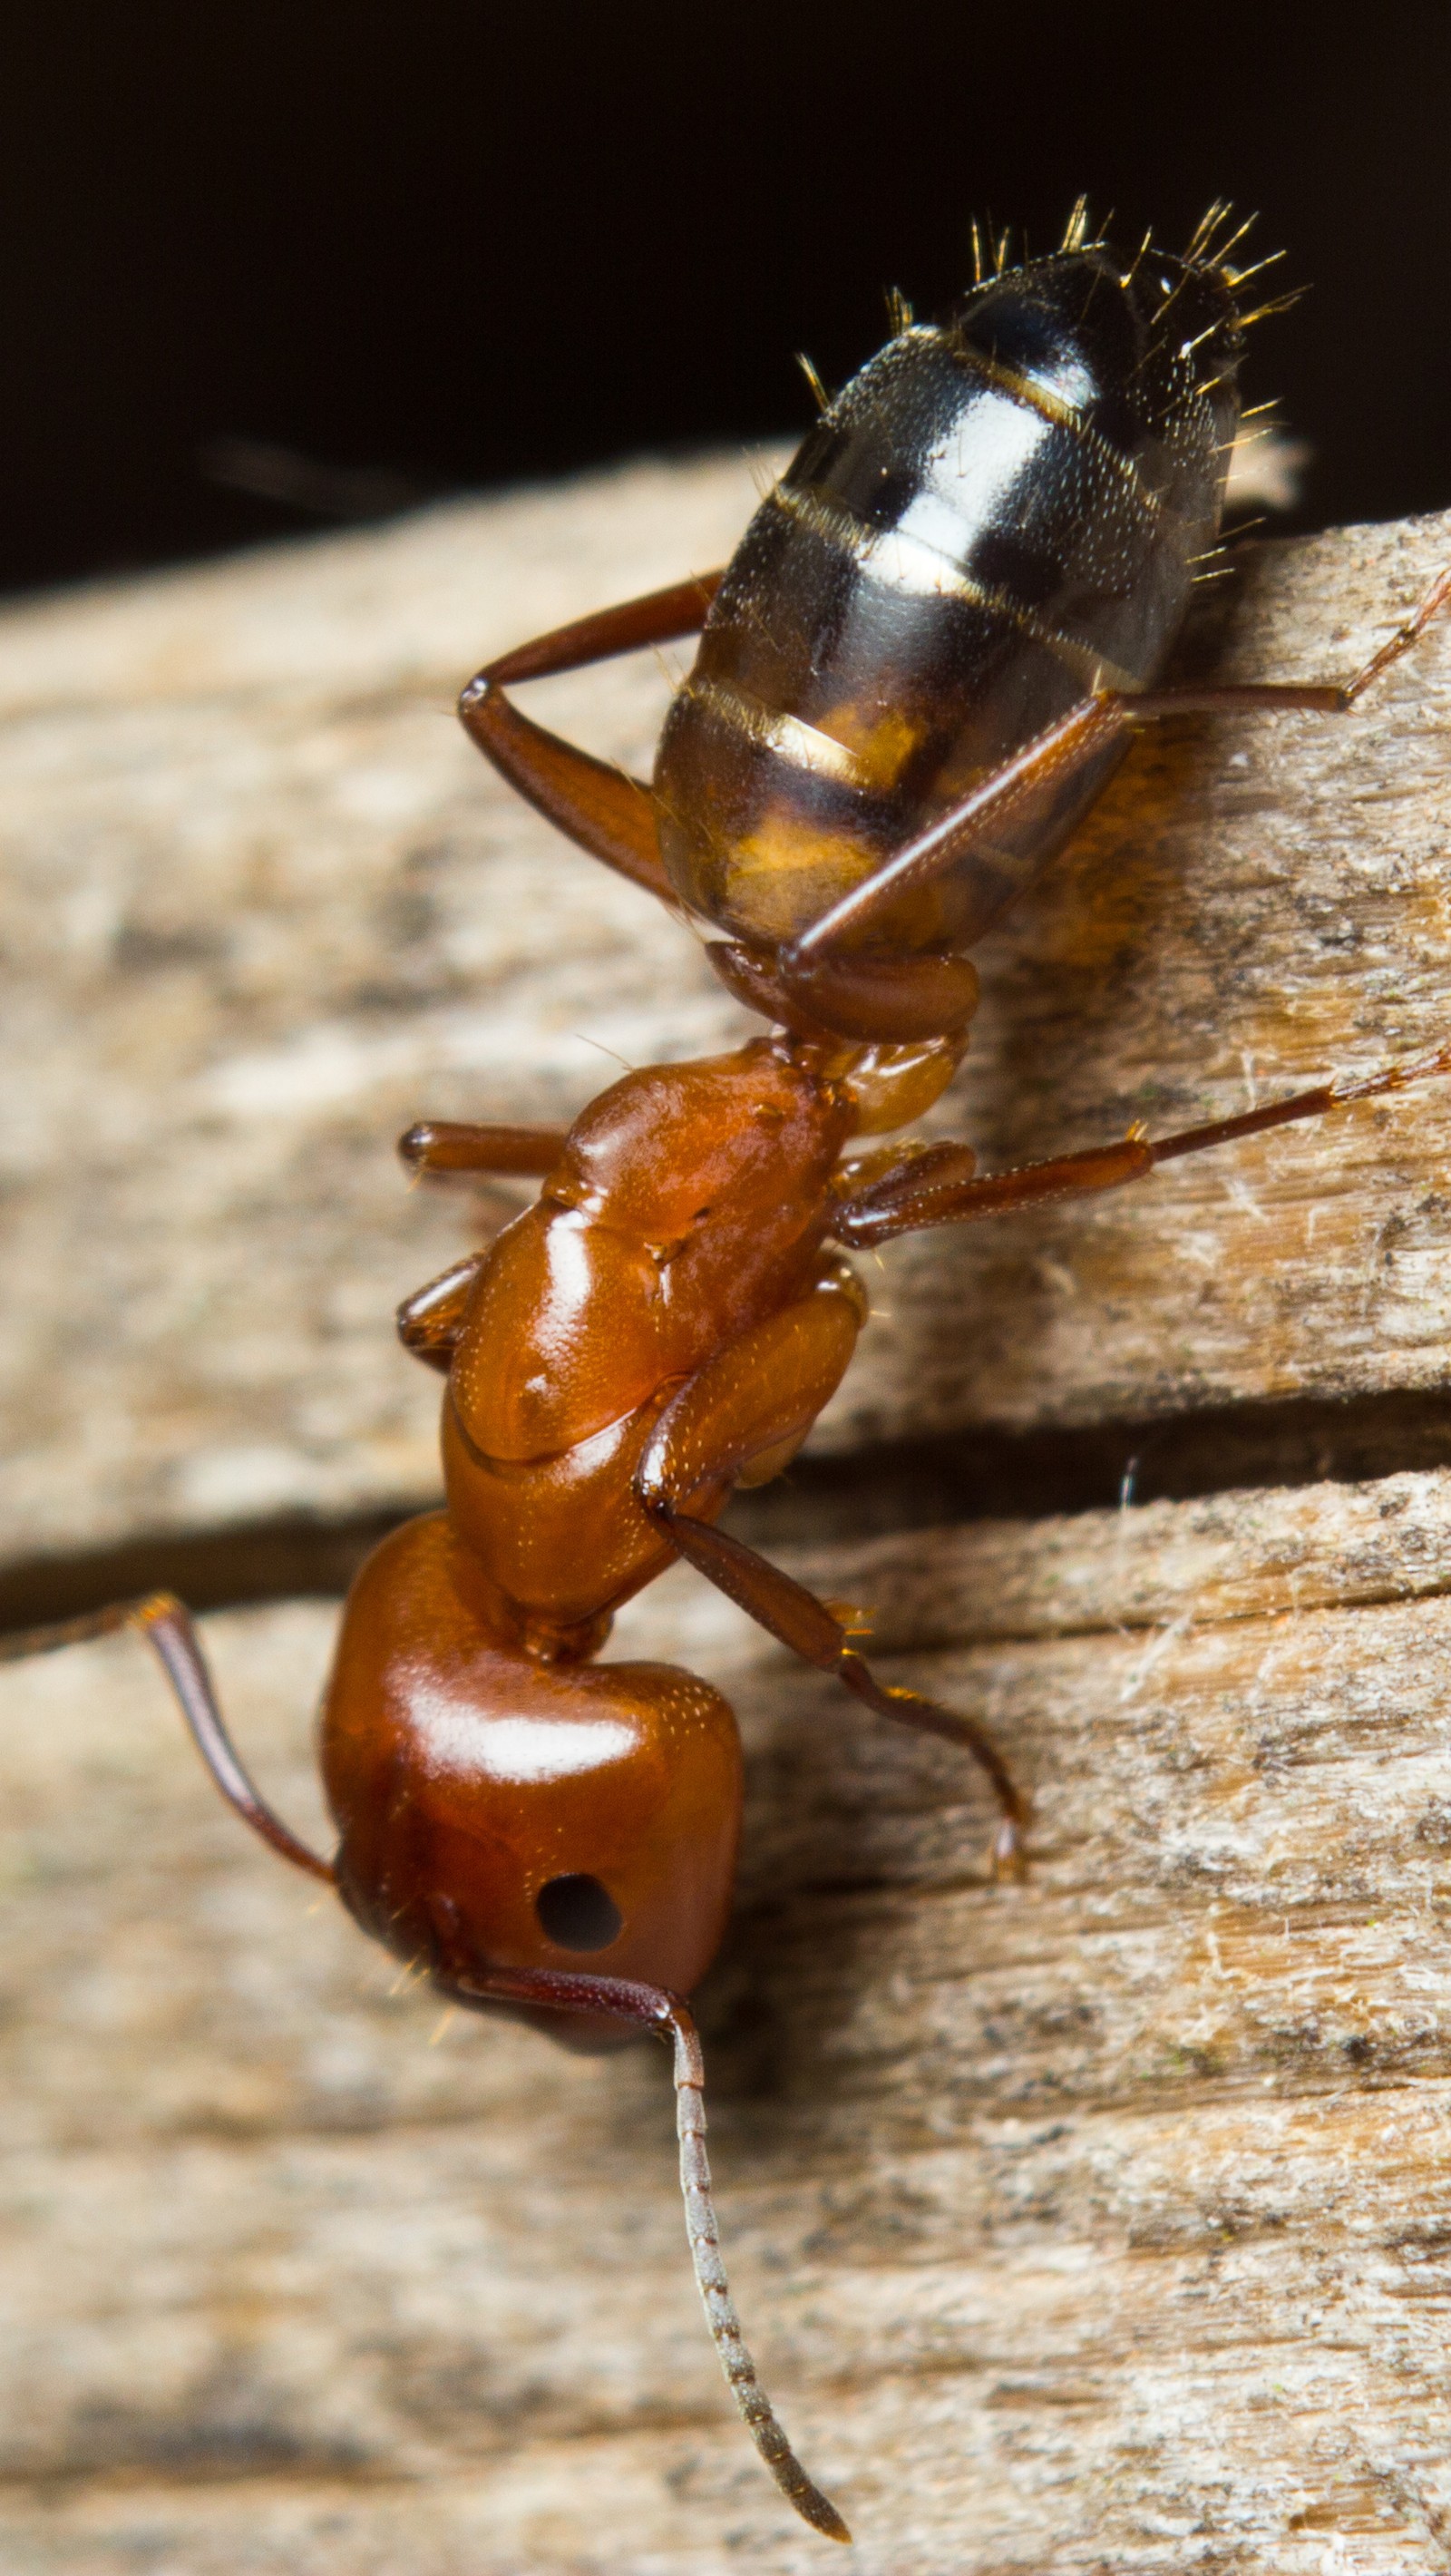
608 814
966 837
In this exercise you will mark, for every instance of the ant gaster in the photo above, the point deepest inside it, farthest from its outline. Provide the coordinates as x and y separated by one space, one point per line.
937 638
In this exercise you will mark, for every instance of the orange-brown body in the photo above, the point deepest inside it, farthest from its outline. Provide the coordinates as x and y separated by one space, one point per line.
936 640
668 1307
466 1782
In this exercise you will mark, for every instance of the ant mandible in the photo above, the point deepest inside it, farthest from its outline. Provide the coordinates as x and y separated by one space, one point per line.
937 638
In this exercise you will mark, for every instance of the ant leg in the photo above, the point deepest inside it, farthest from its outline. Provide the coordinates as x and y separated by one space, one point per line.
430 1321
789 1612
938 1186
167 1627
1315 697
608 814
621 1999
1089 734
738 1421
438 1147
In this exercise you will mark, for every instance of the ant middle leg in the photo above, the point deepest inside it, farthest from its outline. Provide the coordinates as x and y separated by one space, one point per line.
438 1148
607 813
430 1321
940 1186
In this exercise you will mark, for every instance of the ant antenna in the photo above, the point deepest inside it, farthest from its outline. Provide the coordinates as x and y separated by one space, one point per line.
757 2412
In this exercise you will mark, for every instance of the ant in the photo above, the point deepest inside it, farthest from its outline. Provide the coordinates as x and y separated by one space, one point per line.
939 635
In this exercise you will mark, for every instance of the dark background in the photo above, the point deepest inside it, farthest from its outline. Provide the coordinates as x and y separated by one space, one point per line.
268 266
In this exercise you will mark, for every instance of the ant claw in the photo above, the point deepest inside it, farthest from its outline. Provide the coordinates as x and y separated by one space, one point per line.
1010 1861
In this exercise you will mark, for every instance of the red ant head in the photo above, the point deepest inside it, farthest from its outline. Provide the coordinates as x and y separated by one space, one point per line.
498 1811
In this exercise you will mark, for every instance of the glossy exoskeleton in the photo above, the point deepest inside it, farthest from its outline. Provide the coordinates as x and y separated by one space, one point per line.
933 644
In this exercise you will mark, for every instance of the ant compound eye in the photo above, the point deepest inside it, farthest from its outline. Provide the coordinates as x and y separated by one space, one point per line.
577 1913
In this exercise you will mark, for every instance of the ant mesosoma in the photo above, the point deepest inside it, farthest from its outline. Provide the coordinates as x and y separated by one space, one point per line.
934 643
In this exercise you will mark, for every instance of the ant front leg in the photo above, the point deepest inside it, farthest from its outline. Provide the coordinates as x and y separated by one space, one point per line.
738 1422
167 1627
608 814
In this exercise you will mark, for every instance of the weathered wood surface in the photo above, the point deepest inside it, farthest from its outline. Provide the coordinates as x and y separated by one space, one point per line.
264 906
1098 2223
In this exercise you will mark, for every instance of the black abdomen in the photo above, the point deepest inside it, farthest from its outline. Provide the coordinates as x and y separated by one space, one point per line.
999 514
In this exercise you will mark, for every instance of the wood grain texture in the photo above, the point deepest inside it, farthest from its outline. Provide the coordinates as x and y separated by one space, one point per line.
1099 2223
264 906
